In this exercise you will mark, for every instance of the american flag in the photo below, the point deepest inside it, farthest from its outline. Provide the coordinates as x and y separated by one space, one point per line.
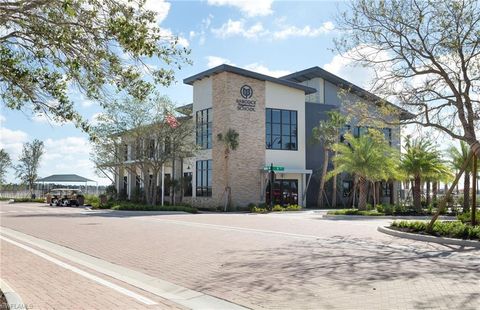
172 121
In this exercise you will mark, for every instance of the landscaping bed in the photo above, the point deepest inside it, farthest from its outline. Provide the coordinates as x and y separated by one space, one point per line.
40 200
130 206
277 208
388 210
449 229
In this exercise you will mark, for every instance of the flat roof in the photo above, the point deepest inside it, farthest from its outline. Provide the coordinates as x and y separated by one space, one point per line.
255 75
313 72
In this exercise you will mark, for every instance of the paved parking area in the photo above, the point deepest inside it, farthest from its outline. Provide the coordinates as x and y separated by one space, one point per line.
274 261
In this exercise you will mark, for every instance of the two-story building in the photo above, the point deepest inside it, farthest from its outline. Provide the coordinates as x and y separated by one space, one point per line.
274 118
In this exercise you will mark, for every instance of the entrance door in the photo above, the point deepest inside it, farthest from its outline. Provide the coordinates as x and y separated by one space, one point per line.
285 192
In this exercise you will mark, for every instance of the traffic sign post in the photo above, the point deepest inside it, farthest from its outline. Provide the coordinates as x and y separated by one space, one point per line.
271 171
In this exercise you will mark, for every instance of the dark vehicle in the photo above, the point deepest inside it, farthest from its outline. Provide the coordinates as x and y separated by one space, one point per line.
65 197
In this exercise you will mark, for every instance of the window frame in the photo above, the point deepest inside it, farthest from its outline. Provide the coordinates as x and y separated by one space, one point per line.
276 129
203 128
203 178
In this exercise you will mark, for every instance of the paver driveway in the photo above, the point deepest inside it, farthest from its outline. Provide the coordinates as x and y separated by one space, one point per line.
276 261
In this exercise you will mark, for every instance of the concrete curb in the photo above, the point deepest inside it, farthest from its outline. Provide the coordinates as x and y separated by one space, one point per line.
428 238
14 300
385 217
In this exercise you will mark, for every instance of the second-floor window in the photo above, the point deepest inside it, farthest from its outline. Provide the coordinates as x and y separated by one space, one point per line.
360 131
204 128
281 129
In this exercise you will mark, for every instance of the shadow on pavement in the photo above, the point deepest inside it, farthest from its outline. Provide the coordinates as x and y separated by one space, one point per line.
345 272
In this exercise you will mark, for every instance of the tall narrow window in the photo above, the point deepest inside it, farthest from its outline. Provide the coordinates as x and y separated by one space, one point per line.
281 129
204 178
204 128
125 150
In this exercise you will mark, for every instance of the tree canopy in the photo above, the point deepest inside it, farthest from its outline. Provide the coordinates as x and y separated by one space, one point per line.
426 58
98 48
29 161
5 163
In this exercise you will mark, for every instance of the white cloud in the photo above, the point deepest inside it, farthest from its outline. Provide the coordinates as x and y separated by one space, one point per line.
3 119
214 61
12 141
307 31
86 103
160 7
345 67
264 70
238 28
168 35
249 8
69 155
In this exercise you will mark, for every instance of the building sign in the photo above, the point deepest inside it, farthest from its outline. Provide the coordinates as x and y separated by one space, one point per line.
246 103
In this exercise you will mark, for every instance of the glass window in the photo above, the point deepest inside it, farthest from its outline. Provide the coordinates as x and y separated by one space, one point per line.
281 129
204 178
204 128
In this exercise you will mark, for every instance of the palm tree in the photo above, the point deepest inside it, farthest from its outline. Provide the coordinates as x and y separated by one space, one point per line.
327 132
421 161
369 157
458 157
230 143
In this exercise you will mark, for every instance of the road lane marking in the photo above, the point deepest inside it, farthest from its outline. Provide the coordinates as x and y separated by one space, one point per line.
85 274
173 292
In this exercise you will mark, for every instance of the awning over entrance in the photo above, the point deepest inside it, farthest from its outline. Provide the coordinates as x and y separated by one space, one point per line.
302 189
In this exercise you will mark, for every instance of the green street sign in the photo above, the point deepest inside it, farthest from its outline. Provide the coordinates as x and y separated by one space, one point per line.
274 168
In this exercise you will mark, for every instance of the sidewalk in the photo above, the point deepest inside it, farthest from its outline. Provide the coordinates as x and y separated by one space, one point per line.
44 285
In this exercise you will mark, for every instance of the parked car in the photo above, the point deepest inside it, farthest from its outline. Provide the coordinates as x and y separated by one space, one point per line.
65 197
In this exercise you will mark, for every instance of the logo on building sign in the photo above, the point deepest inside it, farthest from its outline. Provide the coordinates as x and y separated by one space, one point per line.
246 91
246 104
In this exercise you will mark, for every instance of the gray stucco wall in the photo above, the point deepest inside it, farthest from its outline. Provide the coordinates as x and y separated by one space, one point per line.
314 113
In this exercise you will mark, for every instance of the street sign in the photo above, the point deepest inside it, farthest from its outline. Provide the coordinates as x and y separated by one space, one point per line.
274 168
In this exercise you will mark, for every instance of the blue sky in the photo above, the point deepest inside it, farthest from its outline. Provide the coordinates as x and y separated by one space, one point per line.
271 37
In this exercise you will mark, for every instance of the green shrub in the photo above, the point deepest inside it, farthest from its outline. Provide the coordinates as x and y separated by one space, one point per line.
129 206
259 210
41 200
466 217
92 200
278 208
293 208
380 208
450 229
388 209
355 212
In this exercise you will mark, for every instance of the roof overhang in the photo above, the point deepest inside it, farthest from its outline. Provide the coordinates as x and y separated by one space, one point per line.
262 77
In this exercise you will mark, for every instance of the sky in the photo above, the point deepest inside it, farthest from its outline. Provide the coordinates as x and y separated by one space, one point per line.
270 37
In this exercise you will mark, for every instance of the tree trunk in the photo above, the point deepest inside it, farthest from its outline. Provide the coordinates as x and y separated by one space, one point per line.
172 193
334 191
434 191
448 193
417 194
466 191
334 187
428 193
321 188
228 204
363 192
474 187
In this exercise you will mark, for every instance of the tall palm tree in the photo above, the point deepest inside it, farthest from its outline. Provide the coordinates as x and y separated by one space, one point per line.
230 143
421 161
327 132
458 157
369 157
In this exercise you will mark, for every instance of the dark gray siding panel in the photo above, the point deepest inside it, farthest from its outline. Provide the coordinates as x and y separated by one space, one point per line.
314 113
331 94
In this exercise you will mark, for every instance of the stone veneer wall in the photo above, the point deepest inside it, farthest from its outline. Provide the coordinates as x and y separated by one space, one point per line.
245 162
